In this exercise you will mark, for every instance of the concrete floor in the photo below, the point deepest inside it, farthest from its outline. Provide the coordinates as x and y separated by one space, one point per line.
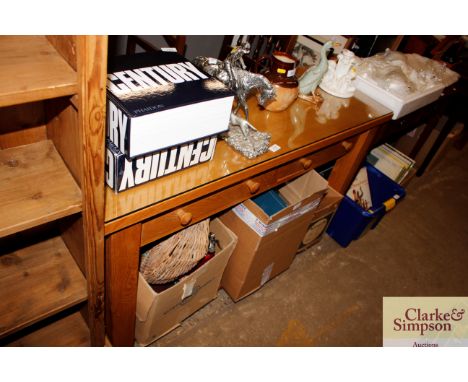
332 296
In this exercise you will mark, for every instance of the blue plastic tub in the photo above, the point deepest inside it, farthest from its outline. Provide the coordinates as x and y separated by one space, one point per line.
351 221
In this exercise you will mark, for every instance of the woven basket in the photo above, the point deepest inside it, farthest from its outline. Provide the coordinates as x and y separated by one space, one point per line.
176 255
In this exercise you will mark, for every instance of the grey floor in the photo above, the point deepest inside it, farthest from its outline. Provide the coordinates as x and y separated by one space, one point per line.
332 296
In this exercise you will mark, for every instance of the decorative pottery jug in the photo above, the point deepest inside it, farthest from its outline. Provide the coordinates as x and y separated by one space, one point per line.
282 75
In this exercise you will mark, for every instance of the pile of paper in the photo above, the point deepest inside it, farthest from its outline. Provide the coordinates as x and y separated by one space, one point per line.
391 162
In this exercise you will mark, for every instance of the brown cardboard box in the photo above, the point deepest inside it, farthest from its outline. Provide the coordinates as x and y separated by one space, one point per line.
301 188
267 244
159 313
321 219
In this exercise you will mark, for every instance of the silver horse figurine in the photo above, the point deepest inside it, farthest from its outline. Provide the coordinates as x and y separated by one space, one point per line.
242 135
241 81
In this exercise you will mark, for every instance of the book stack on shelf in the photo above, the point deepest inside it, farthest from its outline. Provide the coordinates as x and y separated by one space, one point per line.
391 162
163 115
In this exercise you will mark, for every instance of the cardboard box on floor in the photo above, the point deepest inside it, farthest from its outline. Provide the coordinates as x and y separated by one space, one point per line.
320 220
267 244
159 313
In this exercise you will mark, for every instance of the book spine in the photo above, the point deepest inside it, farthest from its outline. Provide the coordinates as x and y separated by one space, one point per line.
402 156
109 168
118 125
392 156
122 173
114 161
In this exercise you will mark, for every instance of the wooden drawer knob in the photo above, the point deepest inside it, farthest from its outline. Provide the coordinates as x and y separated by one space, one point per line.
306 163
184 217
252 186
347 145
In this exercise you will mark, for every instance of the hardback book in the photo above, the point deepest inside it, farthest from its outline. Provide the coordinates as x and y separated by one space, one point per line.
123 173
160 99
359 191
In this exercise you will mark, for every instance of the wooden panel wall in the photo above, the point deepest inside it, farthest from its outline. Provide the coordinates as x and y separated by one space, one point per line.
64 131
62 114
22 124
71 229
66 47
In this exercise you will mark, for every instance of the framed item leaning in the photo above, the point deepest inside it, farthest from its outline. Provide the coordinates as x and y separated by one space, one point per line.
307 48
315 232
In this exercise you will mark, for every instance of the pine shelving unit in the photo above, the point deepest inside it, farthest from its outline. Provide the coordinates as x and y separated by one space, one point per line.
57 334
36 187
52 108
43 274
32 70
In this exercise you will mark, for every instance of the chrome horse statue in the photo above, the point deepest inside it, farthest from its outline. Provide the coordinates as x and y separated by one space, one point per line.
231 72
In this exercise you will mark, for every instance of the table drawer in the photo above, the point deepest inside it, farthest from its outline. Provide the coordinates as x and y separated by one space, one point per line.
200 209
195 211
300 166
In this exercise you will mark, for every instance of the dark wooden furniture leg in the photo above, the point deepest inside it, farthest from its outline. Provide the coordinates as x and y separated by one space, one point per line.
431 124
461 142
440 139
122 258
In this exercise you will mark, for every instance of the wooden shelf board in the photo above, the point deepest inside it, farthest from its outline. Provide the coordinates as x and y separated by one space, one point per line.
32 70
36 282
69 331
35 187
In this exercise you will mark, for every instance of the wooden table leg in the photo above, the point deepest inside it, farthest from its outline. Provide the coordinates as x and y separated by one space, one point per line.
122 259
348 165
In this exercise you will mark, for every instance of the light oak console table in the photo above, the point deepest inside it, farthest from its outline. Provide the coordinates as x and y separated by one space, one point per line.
340 130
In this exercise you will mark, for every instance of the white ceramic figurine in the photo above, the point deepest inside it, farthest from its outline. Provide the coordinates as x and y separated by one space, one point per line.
338 80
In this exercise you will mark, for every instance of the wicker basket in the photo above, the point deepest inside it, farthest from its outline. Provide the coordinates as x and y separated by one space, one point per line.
176 255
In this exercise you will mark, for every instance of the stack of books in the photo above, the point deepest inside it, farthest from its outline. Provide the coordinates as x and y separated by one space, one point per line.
163 115
391 162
